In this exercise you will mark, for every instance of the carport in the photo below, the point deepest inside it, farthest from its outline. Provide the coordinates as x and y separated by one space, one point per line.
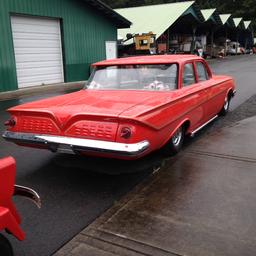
237 32
227 28
207 30
246 36
174 24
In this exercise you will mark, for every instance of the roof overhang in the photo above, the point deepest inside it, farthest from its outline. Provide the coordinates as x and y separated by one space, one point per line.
116 18
212 16
239 23
157 18
225 18
247 24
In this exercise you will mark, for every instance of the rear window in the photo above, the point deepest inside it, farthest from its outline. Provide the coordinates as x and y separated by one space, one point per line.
135 77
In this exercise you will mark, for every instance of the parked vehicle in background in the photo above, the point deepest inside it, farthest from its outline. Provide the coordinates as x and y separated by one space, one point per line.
142 44
235 48
9 217
130 107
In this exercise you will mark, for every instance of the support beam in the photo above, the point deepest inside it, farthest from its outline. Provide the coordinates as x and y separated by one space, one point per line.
212 39
192 48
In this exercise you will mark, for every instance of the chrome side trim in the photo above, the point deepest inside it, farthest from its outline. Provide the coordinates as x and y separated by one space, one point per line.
202 126
76 145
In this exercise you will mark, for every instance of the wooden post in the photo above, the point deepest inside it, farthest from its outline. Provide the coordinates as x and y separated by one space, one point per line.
192 48
226 43
237 36
212 38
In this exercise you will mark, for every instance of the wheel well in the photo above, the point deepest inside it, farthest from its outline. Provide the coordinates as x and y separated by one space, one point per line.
230 94
186 126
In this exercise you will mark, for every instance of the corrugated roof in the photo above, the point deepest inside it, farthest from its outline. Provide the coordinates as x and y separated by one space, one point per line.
207 13
237 21
155 18
247 23
224 18
212 14
117 19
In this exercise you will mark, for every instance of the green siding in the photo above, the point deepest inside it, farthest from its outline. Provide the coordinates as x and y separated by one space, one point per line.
84 32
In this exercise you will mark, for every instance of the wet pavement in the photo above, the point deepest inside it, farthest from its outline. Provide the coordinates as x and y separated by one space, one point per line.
201 203
75 191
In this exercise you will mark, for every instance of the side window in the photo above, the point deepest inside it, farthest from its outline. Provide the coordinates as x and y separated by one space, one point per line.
201 71
188 75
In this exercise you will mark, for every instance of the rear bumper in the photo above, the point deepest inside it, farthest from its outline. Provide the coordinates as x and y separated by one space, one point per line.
73 145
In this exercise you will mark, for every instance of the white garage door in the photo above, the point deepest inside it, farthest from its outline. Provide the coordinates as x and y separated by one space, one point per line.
38 51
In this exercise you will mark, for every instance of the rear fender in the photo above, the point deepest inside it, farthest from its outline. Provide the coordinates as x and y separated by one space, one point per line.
177 126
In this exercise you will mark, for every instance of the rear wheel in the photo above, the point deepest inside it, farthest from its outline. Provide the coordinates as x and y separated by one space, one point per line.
174 145
5 246
225 107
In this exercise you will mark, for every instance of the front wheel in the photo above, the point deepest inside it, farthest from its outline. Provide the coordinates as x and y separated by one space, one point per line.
5 246
225 107
174 145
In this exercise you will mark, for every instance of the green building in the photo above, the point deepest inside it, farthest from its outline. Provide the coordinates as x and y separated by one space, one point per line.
52 41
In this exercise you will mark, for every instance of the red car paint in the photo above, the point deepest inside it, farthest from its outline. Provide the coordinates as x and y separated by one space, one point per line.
9 217
102 115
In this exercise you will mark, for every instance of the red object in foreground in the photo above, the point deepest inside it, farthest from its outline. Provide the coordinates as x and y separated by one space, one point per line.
130 107
9 217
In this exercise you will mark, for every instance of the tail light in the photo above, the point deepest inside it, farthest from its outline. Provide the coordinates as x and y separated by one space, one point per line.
126 132
11 122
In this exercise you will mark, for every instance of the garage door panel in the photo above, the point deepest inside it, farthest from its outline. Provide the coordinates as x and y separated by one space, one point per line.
31 29
36 36
37 58
36 83
40 64
41 43
37 71
38 79
31 50
38 53
33 20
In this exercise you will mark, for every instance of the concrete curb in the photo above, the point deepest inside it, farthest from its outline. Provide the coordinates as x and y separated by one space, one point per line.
41 89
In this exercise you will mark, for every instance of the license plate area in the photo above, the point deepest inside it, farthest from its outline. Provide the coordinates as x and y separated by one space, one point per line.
66 149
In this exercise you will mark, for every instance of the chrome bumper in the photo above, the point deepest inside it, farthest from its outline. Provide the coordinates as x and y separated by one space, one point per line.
73 145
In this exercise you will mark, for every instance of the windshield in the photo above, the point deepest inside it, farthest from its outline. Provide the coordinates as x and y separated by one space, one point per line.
134 77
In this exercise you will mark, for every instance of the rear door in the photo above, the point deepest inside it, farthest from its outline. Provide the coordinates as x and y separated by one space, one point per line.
215 96
195 96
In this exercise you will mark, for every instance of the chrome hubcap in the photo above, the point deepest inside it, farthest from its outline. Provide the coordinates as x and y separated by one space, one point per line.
176 138
226 104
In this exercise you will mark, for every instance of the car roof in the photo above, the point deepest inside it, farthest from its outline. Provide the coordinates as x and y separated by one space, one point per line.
149 59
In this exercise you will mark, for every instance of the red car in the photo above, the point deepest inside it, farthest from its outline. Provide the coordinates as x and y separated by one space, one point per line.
9 217
129 108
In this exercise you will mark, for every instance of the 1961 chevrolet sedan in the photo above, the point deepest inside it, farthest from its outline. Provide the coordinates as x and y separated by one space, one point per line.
129 108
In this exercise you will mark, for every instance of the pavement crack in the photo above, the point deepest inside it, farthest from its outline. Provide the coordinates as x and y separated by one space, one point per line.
108 233
231 157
